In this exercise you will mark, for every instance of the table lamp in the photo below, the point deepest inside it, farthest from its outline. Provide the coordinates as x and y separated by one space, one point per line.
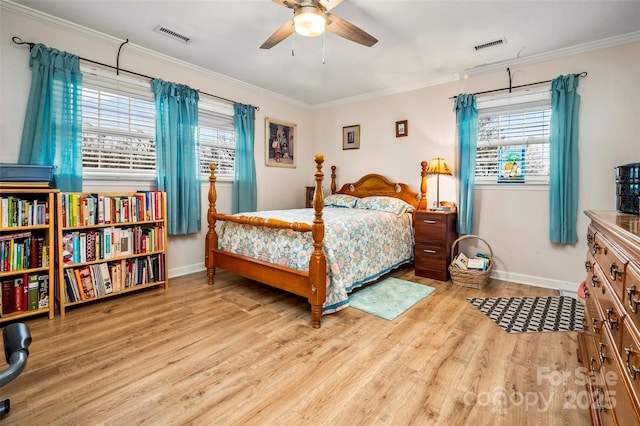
438 167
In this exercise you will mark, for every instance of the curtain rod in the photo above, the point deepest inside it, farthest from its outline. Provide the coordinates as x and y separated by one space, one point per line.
18 40
582 74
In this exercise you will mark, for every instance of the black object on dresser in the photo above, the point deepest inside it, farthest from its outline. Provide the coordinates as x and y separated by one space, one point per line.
435 233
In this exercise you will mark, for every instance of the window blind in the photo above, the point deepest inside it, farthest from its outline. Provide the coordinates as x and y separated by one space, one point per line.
514 124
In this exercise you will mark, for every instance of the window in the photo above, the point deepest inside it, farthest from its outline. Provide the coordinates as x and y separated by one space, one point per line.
217 140
513 139
118 126
118 129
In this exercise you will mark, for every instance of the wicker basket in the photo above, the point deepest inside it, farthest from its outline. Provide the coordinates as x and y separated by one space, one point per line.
469 278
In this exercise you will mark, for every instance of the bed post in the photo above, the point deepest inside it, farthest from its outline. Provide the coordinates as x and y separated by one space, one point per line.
211 241
333 179
422 205
318 263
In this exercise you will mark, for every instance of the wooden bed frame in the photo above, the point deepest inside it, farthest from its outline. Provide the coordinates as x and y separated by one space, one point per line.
311 283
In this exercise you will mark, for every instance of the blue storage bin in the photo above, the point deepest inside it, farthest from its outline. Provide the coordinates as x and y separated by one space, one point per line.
25 173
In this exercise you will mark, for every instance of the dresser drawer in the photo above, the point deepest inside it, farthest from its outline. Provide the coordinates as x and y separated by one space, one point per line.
631 360
612 261
611 313
631 299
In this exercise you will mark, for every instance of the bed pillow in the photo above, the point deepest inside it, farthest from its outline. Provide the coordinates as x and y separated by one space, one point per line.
340 200
385 204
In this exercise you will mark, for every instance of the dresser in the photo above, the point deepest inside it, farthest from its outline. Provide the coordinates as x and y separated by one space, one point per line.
609 346
435 232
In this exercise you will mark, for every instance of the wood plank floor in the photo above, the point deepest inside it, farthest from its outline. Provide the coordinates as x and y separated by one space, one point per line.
241 353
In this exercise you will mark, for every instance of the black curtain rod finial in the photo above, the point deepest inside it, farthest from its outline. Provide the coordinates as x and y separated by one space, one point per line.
18 40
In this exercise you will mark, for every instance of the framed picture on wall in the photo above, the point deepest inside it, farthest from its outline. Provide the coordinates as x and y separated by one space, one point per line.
280 138
351 137
402 128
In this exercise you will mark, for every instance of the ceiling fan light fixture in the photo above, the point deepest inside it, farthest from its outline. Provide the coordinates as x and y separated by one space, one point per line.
308 21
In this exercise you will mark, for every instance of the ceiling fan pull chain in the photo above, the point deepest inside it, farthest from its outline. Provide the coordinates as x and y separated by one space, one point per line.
324 45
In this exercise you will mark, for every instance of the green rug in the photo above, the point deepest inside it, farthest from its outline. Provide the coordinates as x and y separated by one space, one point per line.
389 298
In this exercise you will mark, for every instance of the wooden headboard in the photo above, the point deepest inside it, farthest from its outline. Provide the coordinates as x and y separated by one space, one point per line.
374 184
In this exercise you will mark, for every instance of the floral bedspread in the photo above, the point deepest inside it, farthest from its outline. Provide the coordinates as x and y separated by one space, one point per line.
359 245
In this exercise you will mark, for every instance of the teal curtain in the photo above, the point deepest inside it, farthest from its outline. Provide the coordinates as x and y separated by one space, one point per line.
467 121
245 193
563 141
52 131
178 154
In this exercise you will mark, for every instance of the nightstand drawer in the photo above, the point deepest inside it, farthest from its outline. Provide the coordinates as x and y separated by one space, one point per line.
430 228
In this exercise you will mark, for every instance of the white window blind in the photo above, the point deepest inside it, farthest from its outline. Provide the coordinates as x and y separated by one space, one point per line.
516 123
118 125
217 140
118 128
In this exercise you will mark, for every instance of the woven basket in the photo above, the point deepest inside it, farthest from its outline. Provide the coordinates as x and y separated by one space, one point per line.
469 278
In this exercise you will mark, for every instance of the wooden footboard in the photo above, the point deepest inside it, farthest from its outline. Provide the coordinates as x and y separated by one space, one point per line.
310 284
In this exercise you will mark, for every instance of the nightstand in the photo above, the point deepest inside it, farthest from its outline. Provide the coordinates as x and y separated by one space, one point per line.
435 233
310 192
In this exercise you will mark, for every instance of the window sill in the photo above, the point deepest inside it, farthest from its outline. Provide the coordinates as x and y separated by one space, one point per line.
495 186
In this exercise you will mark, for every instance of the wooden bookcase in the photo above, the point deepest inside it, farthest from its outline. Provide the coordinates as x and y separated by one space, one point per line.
27 251
109 244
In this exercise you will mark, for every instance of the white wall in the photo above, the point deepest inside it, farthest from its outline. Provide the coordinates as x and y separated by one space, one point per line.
514 221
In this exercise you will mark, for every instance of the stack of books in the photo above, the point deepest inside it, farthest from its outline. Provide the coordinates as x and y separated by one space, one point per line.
480 262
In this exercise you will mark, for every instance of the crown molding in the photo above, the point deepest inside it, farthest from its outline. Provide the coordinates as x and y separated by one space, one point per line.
71 26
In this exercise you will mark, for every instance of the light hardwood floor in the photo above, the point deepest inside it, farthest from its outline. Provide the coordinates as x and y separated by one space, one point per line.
241 353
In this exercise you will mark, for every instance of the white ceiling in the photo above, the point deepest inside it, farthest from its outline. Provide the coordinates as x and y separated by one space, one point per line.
421 42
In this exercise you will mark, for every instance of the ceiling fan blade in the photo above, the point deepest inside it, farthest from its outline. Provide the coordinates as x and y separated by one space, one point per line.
291 4
346 29
328 4
281 33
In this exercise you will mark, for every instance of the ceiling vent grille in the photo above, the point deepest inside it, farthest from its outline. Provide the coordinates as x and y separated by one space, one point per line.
173 34
491 43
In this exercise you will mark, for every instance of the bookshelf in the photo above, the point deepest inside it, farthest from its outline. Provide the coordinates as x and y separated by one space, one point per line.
109 244
26 251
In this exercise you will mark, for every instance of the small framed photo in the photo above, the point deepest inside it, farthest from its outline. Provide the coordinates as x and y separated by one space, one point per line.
402 128
351 137
281 138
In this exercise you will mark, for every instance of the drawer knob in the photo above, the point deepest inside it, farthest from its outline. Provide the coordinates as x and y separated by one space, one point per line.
587 266
596 248
614 271
595 282
594 370
632 370
429 251
631 291
613 322
634 305
595 327
586 292
431 222
589 238
603 355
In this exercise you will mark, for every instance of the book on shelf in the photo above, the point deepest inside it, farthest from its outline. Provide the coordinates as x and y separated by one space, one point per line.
8 305
43 291
32 292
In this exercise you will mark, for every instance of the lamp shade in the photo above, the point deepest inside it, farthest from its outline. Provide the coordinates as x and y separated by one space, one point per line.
308 21
438 166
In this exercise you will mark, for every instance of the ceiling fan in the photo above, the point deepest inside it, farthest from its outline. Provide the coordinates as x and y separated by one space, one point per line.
311 18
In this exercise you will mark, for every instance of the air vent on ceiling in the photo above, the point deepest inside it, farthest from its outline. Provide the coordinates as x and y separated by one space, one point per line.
174 35
491 43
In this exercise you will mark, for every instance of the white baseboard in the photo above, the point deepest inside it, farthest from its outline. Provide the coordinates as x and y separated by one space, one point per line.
498 275
187 269
535 281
